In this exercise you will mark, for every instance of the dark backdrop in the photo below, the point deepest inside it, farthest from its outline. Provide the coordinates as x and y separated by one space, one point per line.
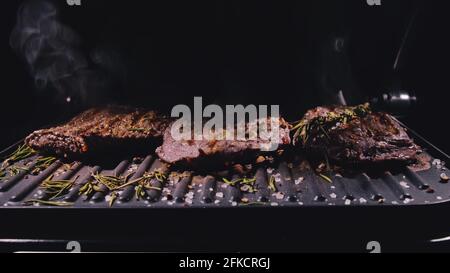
162 53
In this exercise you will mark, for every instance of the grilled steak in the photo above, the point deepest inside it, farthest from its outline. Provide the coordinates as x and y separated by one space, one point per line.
99 129
355 135
214 153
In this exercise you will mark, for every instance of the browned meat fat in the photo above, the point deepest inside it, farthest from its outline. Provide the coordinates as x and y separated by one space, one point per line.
355 135
100 128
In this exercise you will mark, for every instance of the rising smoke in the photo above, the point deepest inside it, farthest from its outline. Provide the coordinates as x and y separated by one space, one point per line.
53 54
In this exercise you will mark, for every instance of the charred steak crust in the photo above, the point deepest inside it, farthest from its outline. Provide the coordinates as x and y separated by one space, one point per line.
100 128
355 135
198 153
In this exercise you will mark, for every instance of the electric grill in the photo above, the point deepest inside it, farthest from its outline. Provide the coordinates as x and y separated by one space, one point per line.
295 186
184 202
197 211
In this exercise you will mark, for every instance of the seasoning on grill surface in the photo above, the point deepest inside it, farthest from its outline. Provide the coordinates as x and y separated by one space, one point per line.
100 128
355 135
207 152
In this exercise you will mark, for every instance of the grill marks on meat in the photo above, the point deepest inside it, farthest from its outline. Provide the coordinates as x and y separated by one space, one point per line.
355 135
196 153
101 128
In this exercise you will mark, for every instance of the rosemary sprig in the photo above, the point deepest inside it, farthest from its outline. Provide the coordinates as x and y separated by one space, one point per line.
89 187
86 189
320 125
15 170
56 188
113 197
326 178
117 183
49 203
246 184
160 176
240 181
111 182
139 130
43 163
140 192
272 185
22 152
12 171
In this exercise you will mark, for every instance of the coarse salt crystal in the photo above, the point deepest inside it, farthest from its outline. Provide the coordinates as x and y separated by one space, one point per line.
362 201
407 201
333 195
279 196
299 180
274 204
348 202
234 204
404 185
219 194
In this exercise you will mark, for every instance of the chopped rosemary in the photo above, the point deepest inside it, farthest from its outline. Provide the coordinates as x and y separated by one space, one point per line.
137 130
113 197
86 189
111 182
49 203
272 185
320 125
239 180
140 192
326 178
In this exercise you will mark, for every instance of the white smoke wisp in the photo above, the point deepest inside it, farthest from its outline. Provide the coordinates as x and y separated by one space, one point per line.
53 54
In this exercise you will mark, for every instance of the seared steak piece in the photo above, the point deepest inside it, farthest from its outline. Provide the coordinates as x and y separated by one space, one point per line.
99 129
355 135
216 153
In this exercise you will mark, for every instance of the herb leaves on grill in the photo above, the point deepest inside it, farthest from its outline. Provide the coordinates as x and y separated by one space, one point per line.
354 135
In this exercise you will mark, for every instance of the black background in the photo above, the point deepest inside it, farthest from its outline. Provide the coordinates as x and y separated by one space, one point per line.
269 52
248 52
